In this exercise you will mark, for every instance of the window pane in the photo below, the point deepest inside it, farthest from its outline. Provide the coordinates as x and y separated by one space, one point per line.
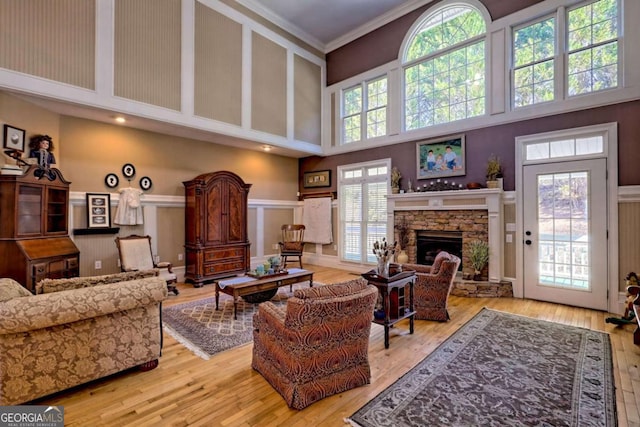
533 74
351 128
454 91
592 34
589 145
352 101
363 208
562 148
538 151
446 27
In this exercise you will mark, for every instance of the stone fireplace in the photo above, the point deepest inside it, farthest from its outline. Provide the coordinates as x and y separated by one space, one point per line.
469 214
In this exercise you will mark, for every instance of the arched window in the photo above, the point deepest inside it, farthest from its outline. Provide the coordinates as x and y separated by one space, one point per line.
444 67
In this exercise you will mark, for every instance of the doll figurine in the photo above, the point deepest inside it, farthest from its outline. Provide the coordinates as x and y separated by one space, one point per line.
41 146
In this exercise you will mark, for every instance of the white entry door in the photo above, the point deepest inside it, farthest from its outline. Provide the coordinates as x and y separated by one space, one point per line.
565 233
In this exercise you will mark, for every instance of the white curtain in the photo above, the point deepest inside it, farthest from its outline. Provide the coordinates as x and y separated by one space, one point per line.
316 217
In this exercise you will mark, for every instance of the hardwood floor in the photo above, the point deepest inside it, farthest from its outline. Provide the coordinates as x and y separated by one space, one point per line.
224 391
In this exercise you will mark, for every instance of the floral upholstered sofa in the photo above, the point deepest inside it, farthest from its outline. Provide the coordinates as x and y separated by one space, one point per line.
76 331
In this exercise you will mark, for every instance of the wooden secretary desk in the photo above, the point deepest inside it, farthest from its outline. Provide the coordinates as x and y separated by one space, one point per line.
34 230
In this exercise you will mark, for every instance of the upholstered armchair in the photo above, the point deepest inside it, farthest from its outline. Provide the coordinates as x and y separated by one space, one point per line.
136 255
317 346
433 286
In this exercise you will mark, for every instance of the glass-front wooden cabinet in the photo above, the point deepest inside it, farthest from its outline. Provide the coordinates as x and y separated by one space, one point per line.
34 228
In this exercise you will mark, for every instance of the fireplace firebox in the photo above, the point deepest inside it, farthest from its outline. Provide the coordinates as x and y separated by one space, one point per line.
429 243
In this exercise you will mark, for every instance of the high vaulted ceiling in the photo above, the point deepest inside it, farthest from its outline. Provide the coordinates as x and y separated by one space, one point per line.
328 24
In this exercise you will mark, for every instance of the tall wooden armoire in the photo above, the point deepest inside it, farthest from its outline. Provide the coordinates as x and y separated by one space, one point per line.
34 229
216 237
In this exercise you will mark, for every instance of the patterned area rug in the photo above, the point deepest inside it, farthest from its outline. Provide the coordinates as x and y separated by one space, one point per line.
206 331
501 369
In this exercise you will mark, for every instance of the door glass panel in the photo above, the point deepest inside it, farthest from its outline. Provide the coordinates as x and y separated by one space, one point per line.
563 230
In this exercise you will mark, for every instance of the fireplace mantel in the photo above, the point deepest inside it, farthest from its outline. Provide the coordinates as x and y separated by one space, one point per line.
489 200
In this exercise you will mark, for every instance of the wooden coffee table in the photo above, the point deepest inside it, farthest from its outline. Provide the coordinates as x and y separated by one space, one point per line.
243 286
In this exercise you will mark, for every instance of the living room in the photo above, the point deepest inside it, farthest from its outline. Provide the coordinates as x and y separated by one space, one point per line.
171 144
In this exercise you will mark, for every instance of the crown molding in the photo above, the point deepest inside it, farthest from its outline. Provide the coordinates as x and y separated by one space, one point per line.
374 24
276 19
358 32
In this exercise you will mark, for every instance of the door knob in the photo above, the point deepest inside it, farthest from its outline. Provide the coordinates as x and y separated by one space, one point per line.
527 242
528 233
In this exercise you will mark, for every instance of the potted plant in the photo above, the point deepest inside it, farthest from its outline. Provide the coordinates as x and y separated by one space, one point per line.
479 257
494 171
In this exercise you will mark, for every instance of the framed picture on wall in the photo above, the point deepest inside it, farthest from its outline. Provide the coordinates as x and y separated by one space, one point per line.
440 158
317 179
98 210
14 138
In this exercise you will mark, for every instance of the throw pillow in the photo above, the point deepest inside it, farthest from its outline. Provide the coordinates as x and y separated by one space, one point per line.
10 289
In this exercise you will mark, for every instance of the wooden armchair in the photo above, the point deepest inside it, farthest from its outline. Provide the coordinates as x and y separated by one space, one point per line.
318 346
433 286
292 243
135 254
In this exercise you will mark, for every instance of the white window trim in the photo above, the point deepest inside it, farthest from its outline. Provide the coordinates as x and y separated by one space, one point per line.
340 169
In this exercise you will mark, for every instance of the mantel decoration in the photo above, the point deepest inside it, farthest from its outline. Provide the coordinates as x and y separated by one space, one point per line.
494 171
403 238
441 158
384 253
395 180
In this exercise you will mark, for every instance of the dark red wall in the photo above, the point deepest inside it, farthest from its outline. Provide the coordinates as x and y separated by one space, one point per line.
383 45
500 140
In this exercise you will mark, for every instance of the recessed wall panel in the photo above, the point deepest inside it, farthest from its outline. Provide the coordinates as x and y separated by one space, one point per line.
307 100
268 86
147 58
218 66
37 38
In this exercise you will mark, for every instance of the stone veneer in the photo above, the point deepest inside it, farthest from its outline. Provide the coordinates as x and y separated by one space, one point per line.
472 289
473 224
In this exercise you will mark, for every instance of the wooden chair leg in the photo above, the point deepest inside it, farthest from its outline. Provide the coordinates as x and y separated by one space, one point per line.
300 261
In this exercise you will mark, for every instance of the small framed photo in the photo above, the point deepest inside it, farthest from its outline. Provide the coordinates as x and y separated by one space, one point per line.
145 183
98 210
14 138
440 158
128 170
317 179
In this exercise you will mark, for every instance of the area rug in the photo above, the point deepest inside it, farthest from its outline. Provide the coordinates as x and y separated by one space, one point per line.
501 369
206 331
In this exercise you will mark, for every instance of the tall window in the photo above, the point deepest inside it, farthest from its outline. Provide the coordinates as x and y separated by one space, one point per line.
445 68
363 208
365 106
533 63
592 43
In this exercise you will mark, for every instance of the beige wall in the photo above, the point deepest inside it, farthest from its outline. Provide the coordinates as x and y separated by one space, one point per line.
269 86
91 150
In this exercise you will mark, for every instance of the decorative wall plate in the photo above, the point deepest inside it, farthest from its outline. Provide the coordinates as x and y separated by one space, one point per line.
128 170
111 180
145 183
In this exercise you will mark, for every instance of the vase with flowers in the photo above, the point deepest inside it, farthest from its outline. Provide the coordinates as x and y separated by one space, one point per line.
384 254
402 226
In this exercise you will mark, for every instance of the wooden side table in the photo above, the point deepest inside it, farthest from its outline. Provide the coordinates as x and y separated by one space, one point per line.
402 309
